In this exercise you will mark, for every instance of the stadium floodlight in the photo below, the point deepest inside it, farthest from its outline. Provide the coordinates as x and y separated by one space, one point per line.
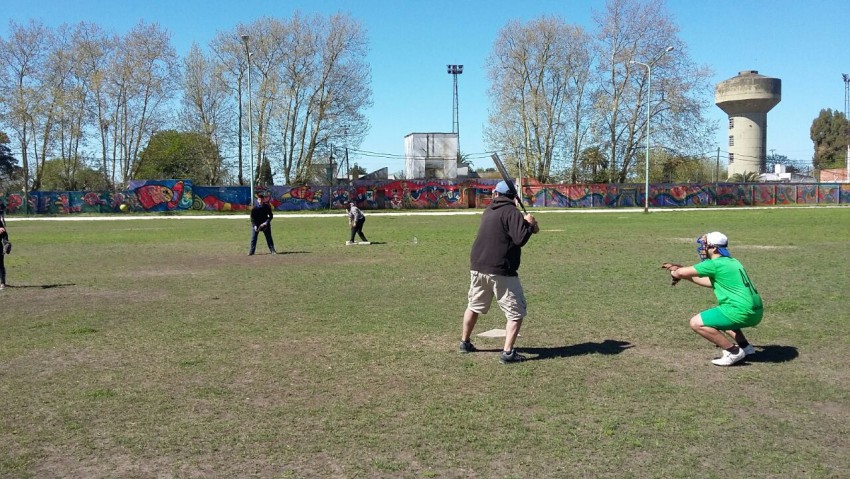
454 71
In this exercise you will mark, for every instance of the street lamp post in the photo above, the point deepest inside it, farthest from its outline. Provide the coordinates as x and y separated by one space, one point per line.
245 39
648 112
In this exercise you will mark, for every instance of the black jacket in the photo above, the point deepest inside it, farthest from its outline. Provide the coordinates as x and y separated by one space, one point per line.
5 235
261 213
502 234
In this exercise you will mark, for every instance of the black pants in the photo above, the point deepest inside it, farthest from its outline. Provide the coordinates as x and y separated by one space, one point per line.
358 229
2 268
269 241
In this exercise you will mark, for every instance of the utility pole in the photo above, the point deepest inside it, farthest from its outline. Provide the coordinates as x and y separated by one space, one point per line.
846 113
344 167
717 167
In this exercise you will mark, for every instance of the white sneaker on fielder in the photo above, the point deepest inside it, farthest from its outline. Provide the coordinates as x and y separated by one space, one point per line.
728 359
749 350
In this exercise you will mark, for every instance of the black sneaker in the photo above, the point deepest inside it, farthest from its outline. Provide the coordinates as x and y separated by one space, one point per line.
466 347
511 357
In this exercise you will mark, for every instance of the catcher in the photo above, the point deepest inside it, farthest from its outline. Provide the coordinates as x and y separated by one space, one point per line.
739 303
356 219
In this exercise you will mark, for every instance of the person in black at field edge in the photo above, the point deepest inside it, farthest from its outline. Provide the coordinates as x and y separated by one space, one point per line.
4 240
261 220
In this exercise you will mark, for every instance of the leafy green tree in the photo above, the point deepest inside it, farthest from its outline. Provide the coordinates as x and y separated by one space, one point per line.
489 173
745 177
183 155
55 176
357 171
772 160
682 169
265 177
830 132
593 161
9 169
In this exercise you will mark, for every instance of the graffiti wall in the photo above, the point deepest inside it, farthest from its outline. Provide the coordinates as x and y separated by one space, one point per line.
172 195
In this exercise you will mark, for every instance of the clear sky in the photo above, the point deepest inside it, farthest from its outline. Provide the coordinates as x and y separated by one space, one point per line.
802 43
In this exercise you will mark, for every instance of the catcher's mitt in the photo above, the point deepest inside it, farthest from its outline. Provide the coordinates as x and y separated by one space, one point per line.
672 267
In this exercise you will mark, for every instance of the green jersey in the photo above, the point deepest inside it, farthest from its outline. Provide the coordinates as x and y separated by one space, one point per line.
737 296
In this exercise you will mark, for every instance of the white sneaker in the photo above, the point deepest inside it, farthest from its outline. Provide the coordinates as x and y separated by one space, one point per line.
749 350
728 359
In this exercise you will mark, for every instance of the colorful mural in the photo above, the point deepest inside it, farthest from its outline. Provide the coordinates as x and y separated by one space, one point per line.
171 195
162 195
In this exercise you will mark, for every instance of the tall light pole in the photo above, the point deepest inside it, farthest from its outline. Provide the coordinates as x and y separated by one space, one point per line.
454 71
245 39
648 114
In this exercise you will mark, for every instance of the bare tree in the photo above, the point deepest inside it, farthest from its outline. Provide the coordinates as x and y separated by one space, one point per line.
65 116
143 80
539 73
231 60
204 104
268 51
94 51
340 94
579 61
23 56
633 31
312 88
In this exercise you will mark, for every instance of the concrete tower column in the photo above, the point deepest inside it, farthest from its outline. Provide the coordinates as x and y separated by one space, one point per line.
747 98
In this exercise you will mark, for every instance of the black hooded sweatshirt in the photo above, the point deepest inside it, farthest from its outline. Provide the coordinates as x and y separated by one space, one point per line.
502 234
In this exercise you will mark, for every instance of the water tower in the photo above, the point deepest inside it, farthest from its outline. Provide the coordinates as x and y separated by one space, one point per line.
747 98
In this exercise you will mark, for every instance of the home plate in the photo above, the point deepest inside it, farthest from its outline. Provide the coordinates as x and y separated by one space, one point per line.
358 243
493 333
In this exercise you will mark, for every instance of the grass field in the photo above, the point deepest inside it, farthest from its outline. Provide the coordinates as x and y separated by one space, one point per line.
157 348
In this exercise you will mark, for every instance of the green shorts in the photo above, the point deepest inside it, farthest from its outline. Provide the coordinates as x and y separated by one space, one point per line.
714 318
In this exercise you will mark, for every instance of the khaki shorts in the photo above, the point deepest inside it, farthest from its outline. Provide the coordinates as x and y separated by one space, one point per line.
506 289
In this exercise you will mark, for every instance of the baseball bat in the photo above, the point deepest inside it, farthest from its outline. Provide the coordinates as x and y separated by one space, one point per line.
505 176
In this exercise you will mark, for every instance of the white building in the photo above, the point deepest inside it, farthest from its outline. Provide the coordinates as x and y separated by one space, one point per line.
430 155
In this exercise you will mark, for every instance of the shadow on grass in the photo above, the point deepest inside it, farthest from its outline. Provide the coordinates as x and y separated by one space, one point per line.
293 252
42 286
609 346
773 353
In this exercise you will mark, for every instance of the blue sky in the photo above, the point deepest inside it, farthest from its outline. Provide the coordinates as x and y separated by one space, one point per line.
802 43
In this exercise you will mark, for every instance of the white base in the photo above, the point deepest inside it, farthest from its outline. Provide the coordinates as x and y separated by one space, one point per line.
494 333
357 243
